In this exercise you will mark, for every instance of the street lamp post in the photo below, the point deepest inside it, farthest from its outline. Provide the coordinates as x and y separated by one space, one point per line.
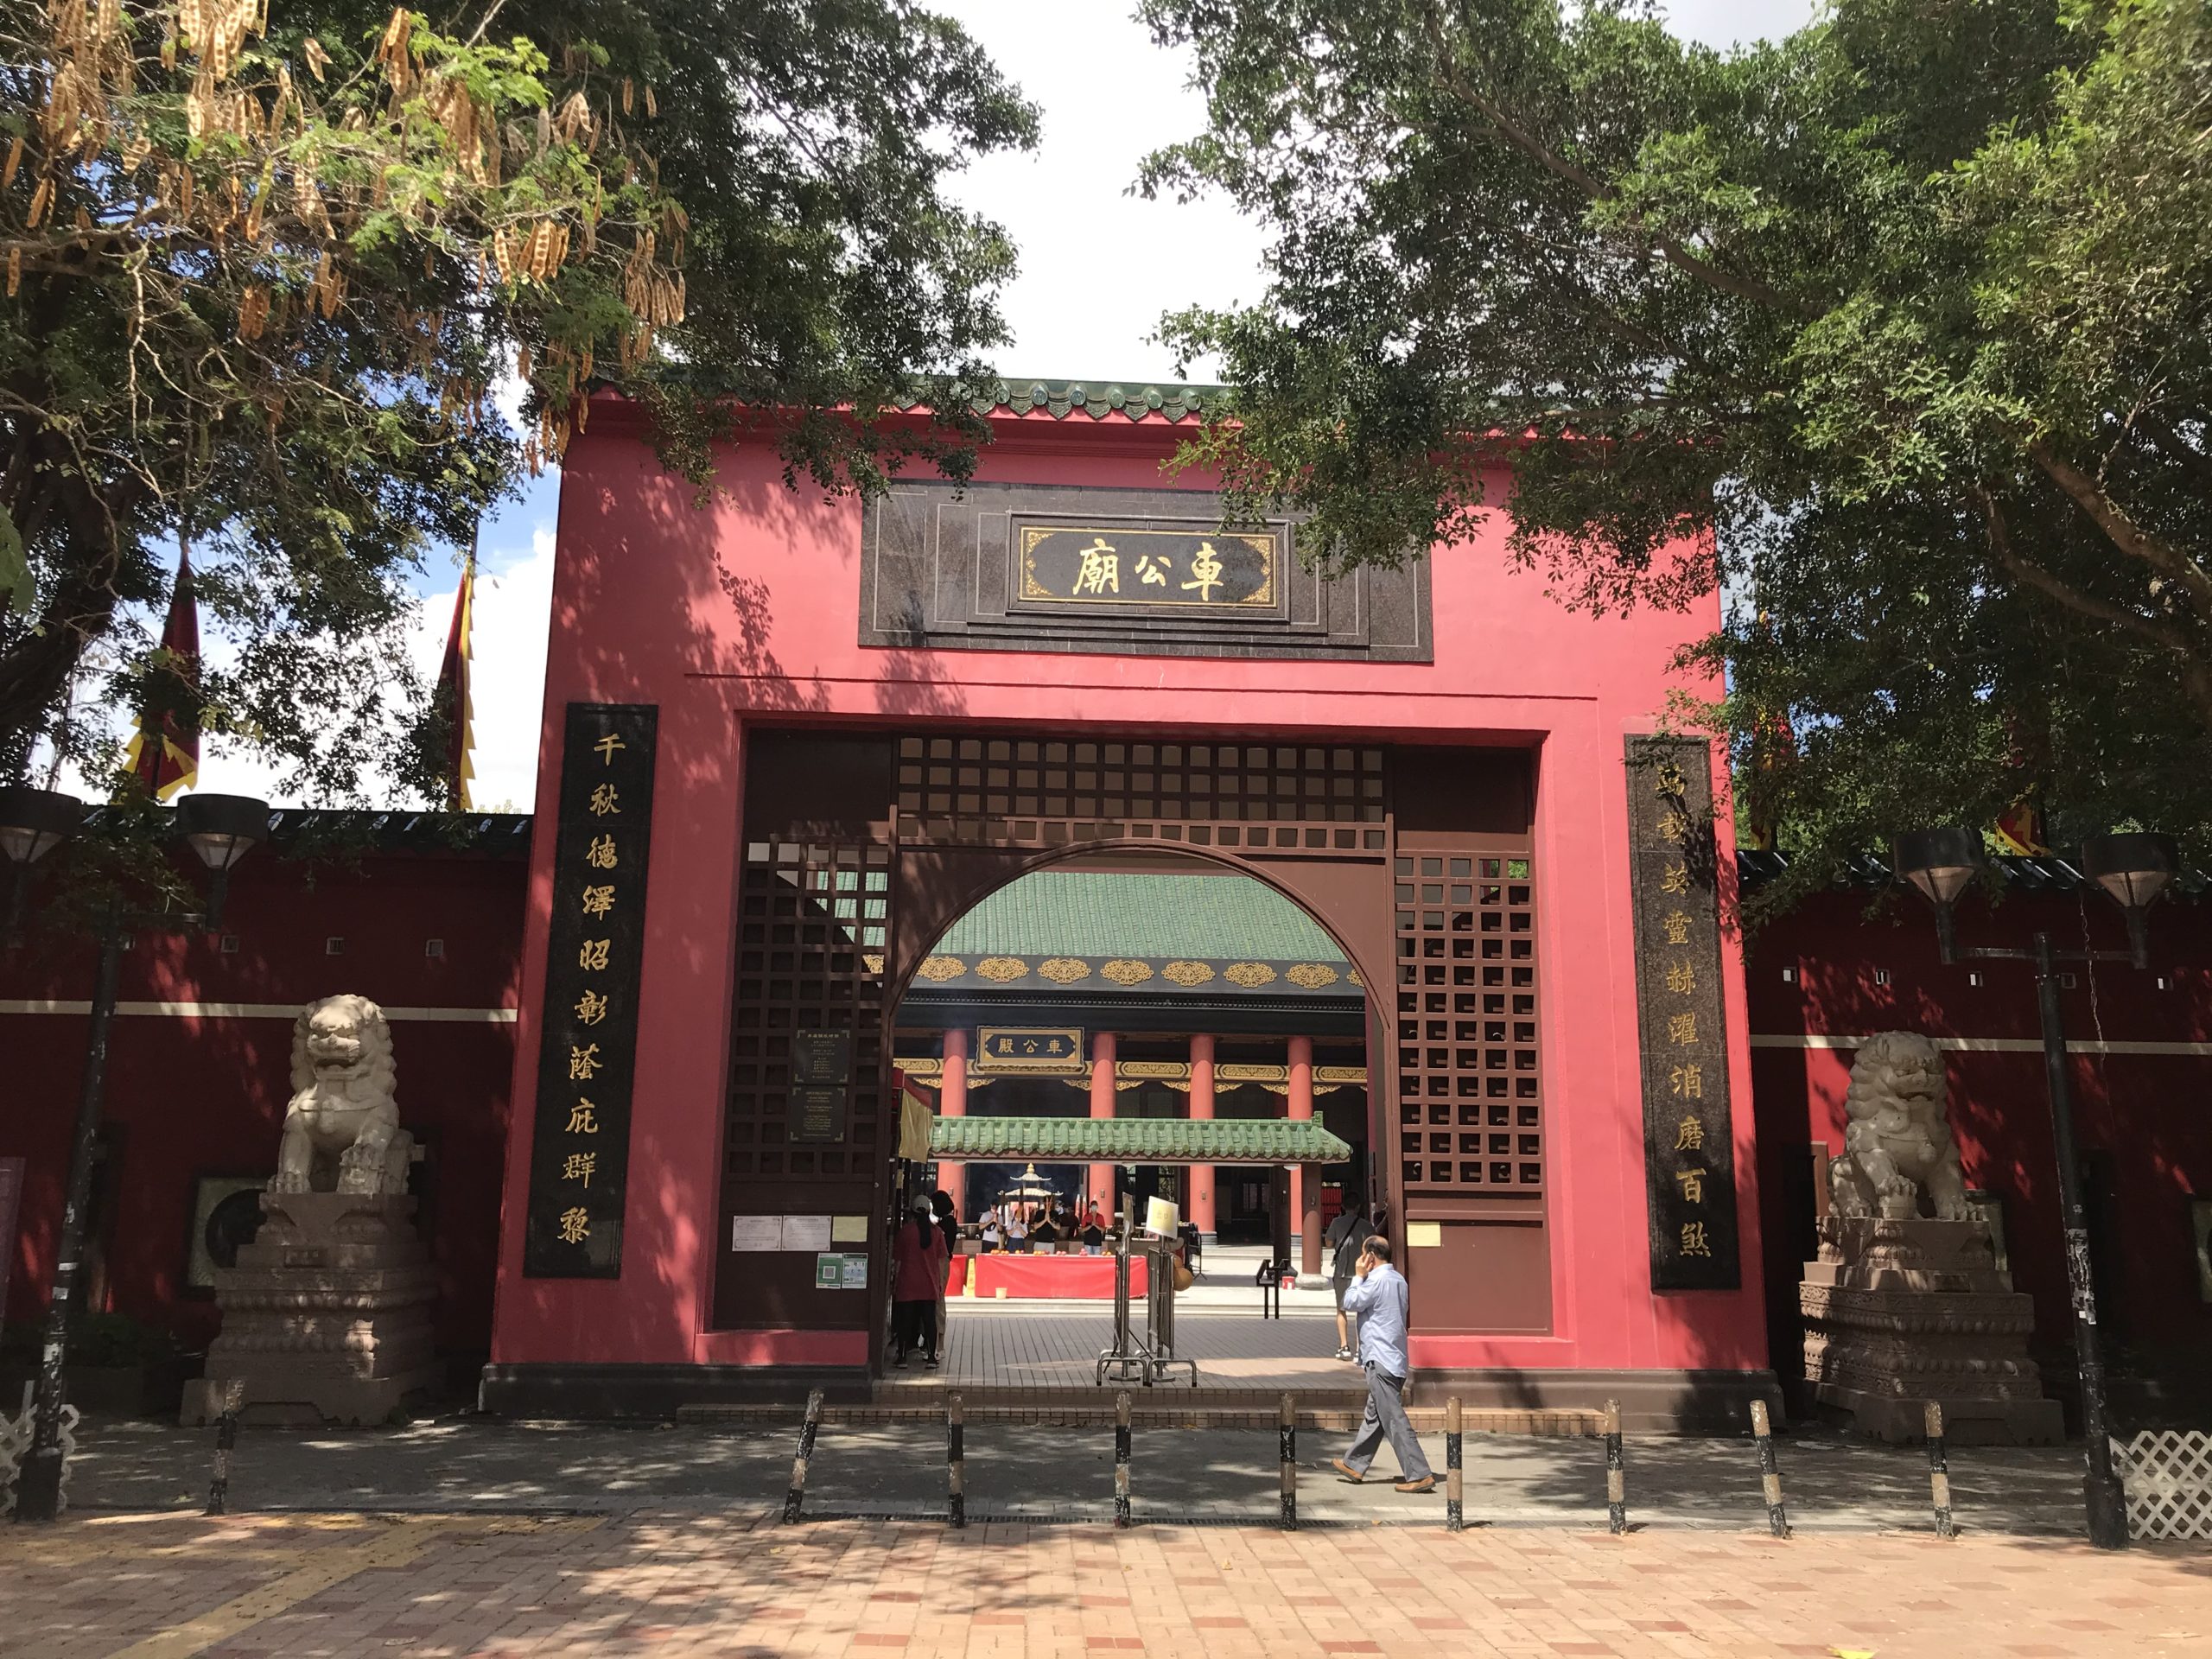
221 830
2134 869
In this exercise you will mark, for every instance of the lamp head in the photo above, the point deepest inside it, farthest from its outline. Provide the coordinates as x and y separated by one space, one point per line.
1940 863
34 822
2134 868
222 829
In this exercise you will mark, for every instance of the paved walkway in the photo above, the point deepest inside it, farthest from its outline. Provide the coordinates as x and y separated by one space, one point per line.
467 1463
737 1584
1053 1346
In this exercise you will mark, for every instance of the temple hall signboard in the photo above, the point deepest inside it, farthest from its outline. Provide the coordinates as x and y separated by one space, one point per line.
1144 568
579 1151
1052 1052
1689 1154
995 566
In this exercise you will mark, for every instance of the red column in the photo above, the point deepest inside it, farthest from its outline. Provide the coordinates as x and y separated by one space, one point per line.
1101 1106
1201 1215
952 1102
1305 1180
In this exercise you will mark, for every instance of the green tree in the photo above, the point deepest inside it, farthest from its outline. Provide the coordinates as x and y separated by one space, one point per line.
266 270
1896 330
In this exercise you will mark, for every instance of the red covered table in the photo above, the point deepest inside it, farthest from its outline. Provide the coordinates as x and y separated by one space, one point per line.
1077 1278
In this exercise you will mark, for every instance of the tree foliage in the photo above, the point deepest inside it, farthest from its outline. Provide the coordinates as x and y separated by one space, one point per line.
1908 311
270 267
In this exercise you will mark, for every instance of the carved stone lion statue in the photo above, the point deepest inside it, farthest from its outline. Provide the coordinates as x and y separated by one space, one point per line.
341 1131
1897 1144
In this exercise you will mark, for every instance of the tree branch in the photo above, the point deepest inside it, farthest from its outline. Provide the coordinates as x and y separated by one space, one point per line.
2195 671
1520 138
2122 532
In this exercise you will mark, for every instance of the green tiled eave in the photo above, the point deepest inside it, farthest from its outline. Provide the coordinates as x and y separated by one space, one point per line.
1106 913
1135 1140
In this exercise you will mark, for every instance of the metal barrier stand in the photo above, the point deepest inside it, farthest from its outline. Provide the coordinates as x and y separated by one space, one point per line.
1151 1357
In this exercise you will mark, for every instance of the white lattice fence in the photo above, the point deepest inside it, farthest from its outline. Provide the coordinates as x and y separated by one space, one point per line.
2168 1474
16 1445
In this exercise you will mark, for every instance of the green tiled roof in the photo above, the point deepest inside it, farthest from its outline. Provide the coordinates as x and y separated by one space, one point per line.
1135 1141
1107 914
1098 400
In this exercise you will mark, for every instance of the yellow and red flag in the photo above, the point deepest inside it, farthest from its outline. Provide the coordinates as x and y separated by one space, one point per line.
2020 831
164 753
452 690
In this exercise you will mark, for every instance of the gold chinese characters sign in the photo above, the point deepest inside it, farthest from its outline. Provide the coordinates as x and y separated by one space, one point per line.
1140 569
580 1148
1055 1052
1689 1155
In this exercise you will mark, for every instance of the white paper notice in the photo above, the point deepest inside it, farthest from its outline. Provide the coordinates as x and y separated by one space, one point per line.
806 1232
756 1233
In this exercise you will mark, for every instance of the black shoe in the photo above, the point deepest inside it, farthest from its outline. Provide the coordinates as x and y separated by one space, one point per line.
929 1360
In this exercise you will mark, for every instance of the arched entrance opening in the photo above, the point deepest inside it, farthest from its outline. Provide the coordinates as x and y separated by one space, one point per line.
1108 1000
860 851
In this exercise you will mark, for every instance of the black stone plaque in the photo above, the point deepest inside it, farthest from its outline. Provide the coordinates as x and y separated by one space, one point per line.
580 1148
817 1111
1689 1152
822 1057
1137 569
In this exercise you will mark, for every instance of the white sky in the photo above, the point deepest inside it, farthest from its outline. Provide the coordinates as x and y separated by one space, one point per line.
1098 269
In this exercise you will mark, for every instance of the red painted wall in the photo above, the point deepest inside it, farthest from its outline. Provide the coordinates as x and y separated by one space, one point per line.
2150 1114
188 1096
743 613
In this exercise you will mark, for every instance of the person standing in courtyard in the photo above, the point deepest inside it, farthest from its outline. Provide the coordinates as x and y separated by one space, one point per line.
1379 1299
917 1273
1347 1240
948 1226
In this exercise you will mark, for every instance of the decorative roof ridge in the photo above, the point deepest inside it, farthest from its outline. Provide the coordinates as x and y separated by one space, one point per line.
1133 400
319 829
2031 873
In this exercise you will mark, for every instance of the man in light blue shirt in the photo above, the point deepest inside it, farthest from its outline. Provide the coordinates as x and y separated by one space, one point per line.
1379 1298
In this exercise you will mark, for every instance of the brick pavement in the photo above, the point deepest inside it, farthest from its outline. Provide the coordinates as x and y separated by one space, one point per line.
665 1584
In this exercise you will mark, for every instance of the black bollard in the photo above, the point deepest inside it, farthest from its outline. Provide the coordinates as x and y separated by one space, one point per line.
1939 1472
1616 1471
1778 1519
955 1457
1455 1515
1287 1454
1121 1459
226 1439
797 1494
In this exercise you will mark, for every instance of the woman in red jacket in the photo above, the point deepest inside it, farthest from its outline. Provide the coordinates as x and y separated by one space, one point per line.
918 1269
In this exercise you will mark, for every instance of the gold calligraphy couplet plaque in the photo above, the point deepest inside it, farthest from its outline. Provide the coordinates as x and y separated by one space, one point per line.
579 1146
1689 1154
1137 569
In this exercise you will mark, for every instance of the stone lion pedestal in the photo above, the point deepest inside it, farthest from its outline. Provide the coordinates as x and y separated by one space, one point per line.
1903 1308
1900 1311
327 1316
